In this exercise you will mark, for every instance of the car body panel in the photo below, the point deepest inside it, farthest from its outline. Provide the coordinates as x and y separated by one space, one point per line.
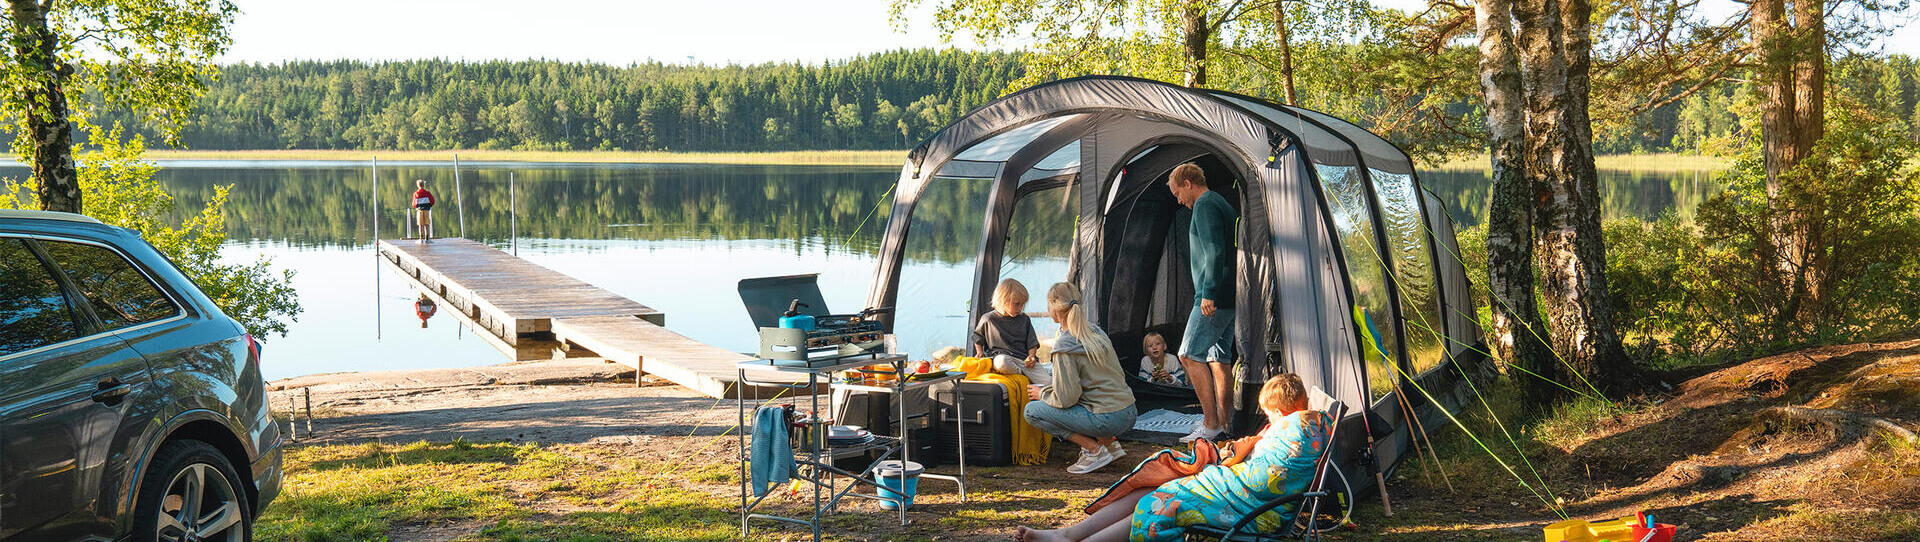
194 367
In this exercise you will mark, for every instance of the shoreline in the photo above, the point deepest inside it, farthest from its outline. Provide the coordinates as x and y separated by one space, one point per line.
1666 162
890 158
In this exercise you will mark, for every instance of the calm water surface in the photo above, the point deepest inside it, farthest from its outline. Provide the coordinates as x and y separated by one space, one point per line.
674 237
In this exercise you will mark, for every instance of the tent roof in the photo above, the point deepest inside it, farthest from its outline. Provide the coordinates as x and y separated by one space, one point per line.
975 145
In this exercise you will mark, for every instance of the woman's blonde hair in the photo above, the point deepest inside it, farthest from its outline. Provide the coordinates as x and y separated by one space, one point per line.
1010 297
1065 297
1283 391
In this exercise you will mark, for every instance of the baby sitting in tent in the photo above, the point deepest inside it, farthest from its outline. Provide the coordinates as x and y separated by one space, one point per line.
1170 491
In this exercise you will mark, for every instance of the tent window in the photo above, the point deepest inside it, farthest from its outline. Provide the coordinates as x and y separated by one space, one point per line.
1039 243
998 148
1413 269
1347 199
943 240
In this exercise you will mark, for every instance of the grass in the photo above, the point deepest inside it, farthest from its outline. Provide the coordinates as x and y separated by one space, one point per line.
497 491
685 489
821 157
1656 163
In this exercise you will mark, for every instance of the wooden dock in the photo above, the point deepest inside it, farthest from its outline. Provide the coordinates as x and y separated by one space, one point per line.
529 312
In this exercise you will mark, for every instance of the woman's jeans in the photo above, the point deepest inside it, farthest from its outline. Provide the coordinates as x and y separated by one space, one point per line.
1077 419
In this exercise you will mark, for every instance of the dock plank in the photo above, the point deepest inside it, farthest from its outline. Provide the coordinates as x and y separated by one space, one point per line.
530 312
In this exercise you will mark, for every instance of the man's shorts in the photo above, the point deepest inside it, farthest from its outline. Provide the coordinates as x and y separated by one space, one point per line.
1209 338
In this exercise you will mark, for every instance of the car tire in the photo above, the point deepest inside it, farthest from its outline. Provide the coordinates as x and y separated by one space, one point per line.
186 473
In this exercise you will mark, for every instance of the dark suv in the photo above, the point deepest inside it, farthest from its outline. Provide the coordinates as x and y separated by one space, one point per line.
130 407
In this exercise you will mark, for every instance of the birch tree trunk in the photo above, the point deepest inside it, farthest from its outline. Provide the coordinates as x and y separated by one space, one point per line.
1518 332
1574 273
1193 24
51 131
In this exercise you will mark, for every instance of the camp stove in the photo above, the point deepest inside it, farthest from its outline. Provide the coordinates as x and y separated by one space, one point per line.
856 329
774 301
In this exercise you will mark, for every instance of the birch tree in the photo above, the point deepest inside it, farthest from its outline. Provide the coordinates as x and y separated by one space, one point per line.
151 56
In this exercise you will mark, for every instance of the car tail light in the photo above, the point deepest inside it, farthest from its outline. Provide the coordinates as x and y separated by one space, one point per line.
253 350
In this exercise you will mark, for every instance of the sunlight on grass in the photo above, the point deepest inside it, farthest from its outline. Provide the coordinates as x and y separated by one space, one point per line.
1810 523
361 492
1577 421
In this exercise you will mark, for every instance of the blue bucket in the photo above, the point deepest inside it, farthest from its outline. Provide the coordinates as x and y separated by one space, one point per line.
898 483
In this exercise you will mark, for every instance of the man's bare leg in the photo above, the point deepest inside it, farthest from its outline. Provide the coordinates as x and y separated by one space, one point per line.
1202 378
1222 392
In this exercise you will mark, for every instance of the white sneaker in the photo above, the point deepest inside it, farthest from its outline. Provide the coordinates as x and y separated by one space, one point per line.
1203 433
1091 462
1114 449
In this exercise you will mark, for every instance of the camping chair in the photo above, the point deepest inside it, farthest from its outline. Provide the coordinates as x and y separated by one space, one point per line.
1305 514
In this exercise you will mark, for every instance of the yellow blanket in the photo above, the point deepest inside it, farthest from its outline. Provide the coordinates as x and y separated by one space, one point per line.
1030 445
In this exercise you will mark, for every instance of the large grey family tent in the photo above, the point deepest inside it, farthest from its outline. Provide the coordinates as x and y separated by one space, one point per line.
1066 181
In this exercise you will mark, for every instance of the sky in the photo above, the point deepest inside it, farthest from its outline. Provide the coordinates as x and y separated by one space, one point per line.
615 32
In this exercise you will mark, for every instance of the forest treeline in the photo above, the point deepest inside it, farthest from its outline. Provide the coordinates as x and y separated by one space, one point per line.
880 101
888 100
1888 87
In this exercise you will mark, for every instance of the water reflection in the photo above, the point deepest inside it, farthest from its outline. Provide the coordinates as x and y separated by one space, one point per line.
329 205
674 237
1641 194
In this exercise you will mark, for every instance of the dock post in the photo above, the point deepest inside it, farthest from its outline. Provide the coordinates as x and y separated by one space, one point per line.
293 420
373 202
458 201
513 216
373 194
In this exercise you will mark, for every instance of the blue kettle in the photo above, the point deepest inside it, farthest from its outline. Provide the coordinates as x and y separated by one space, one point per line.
794 320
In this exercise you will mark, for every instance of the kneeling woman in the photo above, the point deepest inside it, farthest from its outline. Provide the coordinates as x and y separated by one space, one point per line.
1281 463
1088 402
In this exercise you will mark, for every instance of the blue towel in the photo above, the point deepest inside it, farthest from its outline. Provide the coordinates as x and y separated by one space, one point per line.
771 458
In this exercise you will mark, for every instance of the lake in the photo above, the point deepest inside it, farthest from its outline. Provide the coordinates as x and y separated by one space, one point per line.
674 237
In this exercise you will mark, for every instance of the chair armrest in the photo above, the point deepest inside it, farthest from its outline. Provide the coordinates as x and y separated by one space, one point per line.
1246 521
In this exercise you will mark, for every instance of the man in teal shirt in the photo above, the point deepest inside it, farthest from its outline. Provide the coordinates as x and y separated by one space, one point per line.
1207 350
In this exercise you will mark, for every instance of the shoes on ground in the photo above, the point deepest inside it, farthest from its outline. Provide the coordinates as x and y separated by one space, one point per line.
1090 462
1203 433
1114 449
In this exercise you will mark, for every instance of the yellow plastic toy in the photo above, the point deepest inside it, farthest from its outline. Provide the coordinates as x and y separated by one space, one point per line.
1580 530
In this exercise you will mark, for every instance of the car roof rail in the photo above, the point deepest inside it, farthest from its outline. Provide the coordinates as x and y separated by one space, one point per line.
47 215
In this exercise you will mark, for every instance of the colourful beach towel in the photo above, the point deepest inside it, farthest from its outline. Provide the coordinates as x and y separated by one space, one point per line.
1281 463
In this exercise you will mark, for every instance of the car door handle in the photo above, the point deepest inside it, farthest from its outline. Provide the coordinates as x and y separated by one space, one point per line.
111 390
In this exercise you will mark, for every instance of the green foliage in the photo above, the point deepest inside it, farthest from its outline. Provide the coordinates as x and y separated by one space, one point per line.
150 58
1700 290
888 100
121 190
1376 66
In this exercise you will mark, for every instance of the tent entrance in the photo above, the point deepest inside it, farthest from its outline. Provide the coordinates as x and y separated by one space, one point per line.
1145 278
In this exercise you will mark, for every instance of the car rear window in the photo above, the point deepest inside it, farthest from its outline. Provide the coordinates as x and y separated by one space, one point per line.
119 293
33 312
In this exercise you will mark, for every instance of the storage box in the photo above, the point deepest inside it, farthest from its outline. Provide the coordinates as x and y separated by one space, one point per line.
984 410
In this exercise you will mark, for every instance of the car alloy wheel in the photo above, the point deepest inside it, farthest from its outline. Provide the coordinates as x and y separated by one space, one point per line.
200 505
192 495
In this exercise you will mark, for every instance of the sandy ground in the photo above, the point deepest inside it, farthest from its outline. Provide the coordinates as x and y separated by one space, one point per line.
564 401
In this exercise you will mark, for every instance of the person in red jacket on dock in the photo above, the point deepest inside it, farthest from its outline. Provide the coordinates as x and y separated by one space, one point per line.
422 202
